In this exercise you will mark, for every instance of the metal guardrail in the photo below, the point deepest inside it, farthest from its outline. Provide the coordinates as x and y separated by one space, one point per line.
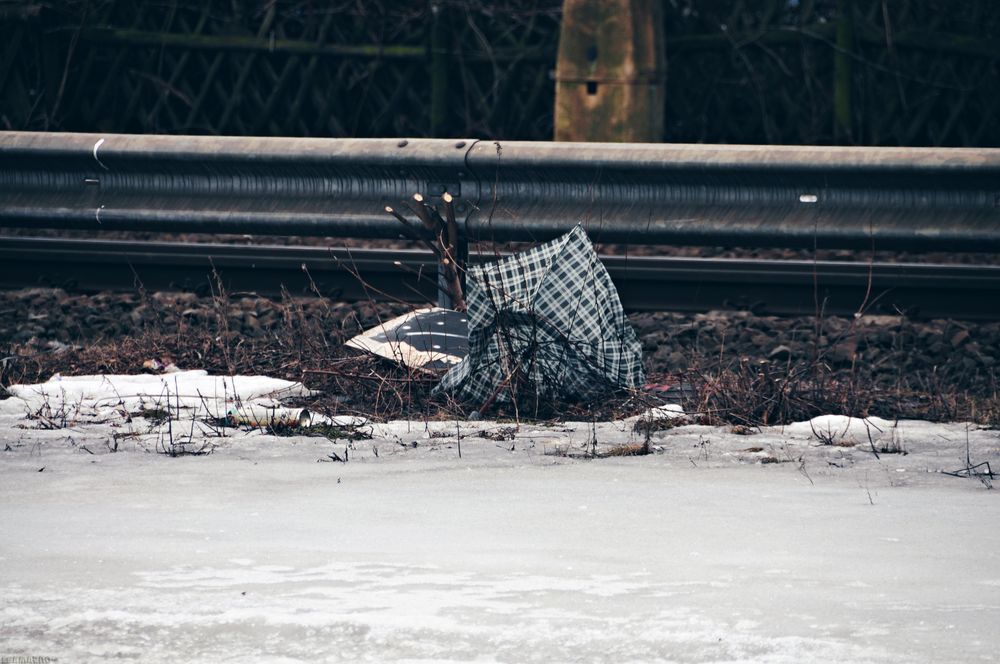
917 199
779 287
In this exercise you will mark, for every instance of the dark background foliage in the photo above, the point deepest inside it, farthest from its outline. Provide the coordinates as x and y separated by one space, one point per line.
911 72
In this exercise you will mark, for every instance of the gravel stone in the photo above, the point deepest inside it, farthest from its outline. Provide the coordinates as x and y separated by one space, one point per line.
958 354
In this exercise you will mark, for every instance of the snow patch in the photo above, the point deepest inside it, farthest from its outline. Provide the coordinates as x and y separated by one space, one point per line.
843 430
185 389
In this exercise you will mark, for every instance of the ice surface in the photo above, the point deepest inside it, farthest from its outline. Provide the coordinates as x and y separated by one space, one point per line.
772 547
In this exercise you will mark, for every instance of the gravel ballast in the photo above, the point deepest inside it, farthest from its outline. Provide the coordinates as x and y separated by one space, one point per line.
42 330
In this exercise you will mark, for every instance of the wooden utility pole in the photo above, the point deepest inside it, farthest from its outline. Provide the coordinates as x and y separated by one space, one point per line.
610 71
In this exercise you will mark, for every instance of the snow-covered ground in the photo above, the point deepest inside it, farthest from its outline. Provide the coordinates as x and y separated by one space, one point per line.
718 547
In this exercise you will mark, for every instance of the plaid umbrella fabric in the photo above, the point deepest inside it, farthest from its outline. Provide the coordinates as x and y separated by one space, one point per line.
545 325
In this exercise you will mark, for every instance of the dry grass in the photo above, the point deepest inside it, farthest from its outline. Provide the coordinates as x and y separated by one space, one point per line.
308 346
750 395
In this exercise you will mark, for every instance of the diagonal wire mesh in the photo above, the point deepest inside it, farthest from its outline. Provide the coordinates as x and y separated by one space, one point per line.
921 72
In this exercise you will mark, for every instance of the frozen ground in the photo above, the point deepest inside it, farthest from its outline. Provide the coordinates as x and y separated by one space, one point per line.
718 547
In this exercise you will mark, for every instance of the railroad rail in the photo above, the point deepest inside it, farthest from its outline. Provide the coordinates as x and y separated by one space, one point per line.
896 199
912 199
778 287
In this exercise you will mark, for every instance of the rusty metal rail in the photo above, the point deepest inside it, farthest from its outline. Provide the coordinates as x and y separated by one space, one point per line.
651 283
915 199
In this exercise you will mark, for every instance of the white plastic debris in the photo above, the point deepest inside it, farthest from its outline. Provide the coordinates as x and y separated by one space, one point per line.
257 415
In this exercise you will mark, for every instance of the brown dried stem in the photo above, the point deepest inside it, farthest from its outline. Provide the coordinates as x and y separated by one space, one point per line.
445 250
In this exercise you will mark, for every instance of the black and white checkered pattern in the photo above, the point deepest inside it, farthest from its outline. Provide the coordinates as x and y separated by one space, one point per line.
545 325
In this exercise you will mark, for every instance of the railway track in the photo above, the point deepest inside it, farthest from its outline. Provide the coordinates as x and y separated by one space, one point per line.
644 283
816 197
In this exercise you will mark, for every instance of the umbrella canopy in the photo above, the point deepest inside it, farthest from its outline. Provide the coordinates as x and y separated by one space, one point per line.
545 325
